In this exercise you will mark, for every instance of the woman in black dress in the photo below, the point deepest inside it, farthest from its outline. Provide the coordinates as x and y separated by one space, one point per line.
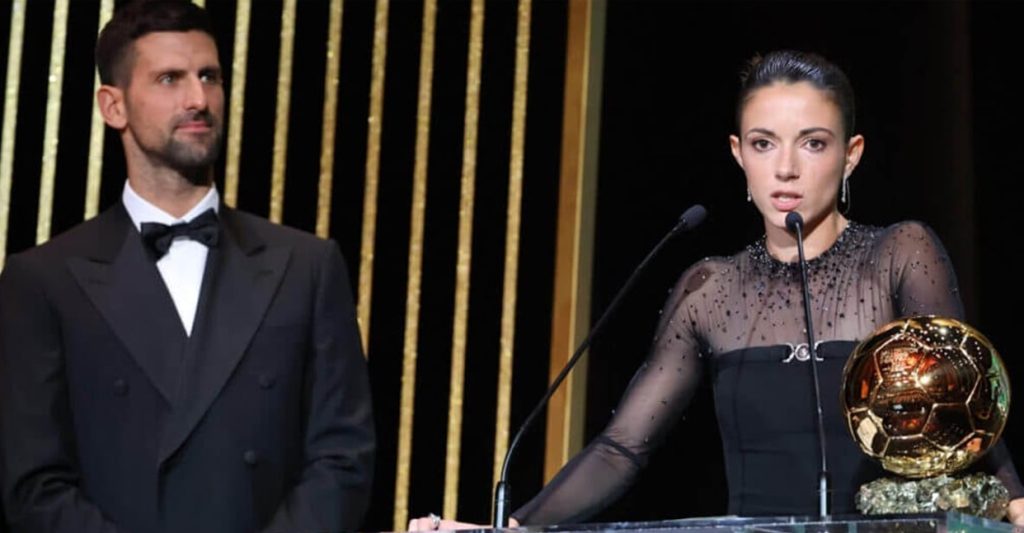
739 319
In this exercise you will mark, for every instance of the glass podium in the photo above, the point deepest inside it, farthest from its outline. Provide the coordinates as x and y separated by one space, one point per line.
915 523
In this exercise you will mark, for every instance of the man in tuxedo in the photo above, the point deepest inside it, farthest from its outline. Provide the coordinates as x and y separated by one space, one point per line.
174 365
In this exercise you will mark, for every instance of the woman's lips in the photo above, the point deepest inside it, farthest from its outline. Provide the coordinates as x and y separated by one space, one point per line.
786 201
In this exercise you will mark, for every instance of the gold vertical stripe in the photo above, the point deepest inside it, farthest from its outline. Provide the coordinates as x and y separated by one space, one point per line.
17 39
513 217
284 96
576 207
412 303
96 134
380 48
323 208
239 63
451 474
51 133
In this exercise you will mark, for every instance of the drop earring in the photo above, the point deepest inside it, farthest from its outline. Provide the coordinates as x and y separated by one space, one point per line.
846 190
749 198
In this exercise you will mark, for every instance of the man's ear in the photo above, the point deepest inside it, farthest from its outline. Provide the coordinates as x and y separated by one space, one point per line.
110 100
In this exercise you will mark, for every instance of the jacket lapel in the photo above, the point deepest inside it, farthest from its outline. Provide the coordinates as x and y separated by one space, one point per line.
242 275
125 286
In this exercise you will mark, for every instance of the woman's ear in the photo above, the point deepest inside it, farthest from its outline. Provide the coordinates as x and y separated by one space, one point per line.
110 100
734 146
854 150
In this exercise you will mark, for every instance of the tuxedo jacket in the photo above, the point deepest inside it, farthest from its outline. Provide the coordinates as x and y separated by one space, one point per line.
112 418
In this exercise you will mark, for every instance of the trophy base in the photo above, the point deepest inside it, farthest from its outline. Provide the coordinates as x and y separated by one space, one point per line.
975 494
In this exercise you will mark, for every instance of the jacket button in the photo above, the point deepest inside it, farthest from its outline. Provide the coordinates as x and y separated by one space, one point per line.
251 457
266 381
120 387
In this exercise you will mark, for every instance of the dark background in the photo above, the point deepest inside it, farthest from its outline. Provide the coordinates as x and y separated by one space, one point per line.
935 103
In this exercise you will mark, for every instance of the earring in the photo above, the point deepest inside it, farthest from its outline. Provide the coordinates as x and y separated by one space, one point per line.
846 190
749 198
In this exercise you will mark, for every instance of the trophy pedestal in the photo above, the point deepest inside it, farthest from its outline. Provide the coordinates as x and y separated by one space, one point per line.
975 494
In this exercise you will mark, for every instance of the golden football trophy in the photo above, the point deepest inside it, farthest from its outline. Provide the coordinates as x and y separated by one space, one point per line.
927 396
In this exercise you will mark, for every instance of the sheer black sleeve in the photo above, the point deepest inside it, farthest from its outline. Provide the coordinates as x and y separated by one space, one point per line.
921 276
655 398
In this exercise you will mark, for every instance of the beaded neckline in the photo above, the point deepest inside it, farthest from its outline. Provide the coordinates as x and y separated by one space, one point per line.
854 237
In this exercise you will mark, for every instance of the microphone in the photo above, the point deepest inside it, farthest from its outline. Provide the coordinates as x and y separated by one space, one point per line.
795 225
690 219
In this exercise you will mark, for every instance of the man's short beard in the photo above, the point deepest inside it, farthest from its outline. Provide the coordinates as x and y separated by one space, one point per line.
192 163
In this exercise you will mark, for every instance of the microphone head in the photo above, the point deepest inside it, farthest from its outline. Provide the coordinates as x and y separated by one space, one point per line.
692 217
794 221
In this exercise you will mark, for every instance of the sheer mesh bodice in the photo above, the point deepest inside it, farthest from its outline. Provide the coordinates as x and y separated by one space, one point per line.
738 319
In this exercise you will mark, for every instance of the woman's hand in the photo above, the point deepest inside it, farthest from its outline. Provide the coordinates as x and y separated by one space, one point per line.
1015 512
432 522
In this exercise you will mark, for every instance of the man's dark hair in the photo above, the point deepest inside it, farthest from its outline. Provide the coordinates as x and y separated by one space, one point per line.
136 19
793 67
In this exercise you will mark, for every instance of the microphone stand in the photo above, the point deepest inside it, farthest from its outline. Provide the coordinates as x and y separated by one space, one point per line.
690 219
795 223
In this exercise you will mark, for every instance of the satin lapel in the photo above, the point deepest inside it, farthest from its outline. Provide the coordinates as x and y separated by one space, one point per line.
239 283
126 288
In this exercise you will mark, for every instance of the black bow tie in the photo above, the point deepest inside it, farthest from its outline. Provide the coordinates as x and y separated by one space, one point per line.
158 237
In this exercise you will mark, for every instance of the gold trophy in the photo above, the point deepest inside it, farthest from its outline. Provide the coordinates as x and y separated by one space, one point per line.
927 396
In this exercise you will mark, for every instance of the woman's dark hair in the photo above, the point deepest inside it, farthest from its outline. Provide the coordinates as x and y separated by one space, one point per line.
789 66
136 19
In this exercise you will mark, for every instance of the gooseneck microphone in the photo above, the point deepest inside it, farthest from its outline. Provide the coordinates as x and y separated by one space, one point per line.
502 497
795 224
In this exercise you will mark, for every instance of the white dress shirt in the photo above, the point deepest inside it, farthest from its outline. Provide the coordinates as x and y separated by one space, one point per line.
183 266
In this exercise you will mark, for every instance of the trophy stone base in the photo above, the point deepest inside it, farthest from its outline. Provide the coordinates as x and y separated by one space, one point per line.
975 494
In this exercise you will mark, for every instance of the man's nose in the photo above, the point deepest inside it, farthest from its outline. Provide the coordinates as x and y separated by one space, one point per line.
195 94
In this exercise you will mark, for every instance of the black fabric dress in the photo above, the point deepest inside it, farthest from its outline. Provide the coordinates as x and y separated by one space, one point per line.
740 319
